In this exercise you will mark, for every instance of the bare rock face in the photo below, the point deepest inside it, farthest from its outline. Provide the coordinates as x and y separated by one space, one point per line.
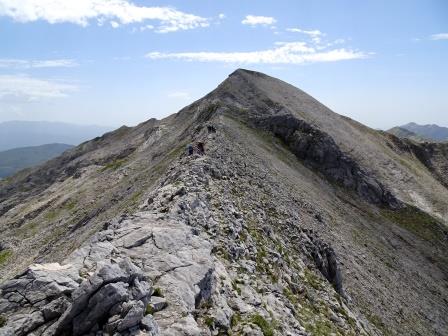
324 258
51 299
98 289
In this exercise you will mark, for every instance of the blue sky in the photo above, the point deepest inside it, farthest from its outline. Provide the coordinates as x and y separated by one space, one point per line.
114 62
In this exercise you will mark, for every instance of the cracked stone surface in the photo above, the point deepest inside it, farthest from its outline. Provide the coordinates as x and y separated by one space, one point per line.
99 282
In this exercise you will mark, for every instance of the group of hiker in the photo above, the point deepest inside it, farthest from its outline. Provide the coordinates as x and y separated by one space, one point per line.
198 147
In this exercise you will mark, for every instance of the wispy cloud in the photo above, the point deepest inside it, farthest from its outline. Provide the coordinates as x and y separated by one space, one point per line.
29 64
441 36
315 35
253 20
282 53
29 88
117 12
307 32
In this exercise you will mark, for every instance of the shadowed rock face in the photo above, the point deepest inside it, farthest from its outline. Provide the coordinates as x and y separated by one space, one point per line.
324 257
319 151
295 221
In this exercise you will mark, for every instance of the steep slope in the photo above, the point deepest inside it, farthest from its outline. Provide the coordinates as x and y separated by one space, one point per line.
13 160
296 221
14 134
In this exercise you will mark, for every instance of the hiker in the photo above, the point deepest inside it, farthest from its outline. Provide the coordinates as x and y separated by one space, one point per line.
200 148
190 149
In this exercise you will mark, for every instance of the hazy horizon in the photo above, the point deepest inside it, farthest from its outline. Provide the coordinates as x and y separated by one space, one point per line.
132 125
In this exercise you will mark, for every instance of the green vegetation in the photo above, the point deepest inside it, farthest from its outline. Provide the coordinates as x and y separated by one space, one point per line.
236 287
312 279
4 256
377 322
261 255
209 321
417 222
266 328
341 310
235 320
28 230
51 215
70 205
149 310
157 292
290 296
114 165
130 202
2 321
316 319
320 328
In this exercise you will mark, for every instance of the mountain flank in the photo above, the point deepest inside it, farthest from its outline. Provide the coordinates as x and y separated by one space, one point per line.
294 221
13 160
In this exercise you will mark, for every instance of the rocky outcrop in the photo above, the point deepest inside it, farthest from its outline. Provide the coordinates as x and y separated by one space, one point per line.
319 151
52 299
99 288
324 258
433 155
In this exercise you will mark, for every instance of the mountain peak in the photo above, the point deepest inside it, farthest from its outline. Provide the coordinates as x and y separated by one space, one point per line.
247 72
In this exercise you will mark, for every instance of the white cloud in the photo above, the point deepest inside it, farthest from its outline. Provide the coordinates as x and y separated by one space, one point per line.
29 88
441 36
312 33
222 16
81 12
283 53
315 35
253 20
28 64
179 95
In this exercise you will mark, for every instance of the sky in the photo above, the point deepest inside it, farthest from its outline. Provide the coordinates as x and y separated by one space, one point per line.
121 62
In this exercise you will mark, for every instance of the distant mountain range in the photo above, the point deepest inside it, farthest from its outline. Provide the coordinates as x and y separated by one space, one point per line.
420 133
15 134
16 159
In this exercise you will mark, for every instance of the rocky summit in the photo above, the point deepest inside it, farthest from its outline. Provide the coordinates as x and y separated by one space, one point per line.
293 220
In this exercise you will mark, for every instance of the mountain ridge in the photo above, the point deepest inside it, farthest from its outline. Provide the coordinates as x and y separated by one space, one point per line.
304 222
429 132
